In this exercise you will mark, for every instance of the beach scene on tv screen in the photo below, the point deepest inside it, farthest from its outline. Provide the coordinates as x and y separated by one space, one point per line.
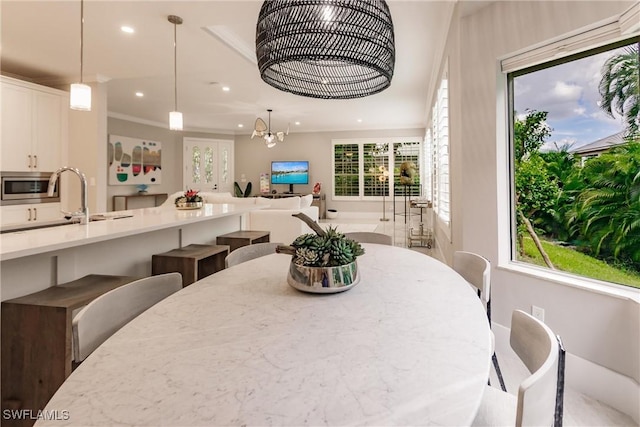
290 172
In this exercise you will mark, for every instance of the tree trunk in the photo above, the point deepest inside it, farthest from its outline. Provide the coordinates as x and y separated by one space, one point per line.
536 240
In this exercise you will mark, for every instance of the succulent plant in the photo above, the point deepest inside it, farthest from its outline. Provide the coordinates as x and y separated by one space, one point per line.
324 249
189 196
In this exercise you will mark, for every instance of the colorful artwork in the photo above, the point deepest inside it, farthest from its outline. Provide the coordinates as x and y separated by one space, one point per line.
264 183
133 161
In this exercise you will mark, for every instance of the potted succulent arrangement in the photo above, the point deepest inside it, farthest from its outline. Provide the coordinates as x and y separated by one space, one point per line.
324 262
190 200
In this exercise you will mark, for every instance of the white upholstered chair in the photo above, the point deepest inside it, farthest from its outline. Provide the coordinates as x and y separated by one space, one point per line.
476 270
249 252
106 314
369 237
536 403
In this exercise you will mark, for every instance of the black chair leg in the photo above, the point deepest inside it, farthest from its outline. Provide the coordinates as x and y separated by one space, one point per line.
494 358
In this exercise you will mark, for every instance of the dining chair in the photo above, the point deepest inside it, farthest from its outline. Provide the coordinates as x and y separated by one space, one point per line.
249 252
476 270
369 237
106 314
536 402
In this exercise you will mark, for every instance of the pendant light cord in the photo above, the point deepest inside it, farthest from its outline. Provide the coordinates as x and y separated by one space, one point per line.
81 39
175 65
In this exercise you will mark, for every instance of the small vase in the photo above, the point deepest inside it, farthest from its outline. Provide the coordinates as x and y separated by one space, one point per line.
323 280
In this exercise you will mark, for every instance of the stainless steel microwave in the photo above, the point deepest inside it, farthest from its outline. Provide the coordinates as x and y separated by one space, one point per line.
26 187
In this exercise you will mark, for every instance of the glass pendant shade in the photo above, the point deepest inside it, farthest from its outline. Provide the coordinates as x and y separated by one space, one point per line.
328 49
80 97
175 120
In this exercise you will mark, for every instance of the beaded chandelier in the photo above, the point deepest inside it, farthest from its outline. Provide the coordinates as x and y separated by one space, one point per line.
328 49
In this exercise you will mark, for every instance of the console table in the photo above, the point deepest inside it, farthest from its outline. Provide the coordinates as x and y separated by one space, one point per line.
144 200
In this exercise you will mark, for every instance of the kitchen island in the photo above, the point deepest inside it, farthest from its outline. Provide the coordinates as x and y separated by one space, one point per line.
34 260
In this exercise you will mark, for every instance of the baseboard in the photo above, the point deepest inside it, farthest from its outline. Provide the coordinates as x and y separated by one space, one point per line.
600 383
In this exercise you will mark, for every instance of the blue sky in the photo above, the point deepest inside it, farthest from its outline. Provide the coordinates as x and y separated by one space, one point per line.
569 93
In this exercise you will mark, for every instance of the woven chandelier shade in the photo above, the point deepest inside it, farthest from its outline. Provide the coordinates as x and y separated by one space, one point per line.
328 49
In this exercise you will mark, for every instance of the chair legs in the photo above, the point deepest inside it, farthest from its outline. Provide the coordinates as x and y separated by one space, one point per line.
496 366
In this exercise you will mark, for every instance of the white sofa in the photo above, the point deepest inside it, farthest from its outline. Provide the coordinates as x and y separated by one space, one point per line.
276 217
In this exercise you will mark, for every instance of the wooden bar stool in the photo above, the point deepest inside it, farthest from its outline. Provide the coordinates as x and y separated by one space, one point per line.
194 261
241 238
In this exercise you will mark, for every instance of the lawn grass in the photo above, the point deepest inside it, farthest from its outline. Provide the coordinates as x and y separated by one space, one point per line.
572 261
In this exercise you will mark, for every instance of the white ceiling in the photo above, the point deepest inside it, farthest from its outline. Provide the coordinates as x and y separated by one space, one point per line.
41 42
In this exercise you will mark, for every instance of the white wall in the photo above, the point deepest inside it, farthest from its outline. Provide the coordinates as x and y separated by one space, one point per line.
602 329
171 154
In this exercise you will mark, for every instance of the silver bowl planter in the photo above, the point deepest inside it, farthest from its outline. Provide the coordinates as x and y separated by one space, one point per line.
188 205
323 280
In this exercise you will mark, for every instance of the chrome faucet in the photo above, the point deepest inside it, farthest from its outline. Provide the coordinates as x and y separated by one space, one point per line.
83 213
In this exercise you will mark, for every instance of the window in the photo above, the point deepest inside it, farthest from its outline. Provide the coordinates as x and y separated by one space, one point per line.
438 135
371 169
575 149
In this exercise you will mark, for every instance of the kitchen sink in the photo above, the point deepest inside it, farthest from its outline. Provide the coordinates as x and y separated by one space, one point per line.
59 222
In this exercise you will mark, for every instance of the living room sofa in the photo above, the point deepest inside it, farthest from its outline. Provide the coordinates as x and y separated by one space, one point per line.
276 216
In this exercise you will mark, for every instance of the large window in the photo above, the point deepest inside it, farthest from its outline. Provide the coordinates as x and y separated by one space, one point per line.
370 169
576 163
437 151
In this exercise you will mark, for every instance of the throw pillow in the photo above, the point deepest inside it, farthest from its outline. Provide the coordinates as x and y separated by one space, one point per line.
305 201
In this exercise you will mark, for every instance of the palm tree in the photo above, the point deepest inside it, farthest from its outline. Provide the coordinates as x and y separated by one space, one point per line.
607 212
620 87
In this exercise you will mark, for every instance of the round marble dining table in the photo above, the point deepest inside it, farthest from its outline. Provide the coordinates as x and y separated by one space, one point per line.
408 345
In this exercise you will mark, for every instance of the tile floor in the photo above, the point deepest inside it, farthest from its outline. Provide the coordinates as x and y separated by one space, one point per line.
579 409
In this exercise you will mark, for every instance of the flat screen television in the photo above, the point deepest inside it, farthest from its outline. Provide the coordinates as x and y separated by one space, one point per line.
290 172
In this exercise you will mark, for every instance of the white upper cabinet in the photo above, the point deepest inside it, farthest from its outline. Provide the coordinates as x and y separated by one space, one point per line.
34 125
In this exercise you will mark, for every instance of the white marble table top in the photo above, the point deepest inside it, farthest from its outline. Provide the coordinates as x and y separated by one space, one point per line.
31 242
408 345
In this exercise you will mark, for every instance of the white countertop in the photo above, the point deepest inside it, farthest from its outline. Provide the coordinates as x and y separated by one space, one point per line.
32 242
408 345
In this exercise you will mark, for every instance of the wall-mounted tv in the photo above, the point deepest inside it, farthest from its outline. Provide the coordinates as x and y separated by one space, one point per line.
290 172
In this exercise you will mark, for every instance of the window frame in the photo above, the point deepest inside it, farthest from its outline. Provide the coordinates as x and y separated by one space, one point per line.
600 37
361 142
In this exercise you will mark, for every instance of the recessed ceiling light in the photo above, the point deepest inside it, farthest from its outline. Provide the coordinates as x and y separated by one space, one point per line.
226 88
240 125
126 29
139 94
297 123
359 120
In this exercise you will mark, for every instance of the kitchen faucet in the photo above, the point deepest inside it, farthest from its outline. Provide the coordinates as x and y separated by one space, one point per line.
83 213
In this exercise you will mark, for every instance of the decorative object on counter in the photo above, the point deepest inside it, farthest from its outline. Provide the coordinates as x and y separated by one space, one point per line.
142 188
133 161
175 116
80 93
263 131
264 183
190 200
326 49
407 173
324 262
239 192
317 187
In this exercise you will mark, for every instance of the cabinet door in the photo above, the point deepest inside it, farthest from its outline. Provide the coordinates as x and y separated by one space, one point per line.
16 128
46 212
17 214
47 131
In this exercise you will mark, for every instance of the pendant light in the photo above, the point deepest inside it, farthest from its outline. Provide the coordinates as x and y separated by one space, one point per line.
80 96
328 49
175 116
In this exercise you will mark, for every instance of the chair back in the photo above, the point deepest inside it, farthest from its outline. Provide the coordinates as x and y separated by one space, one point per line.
370 237
249 252
106 314
476 270
537 347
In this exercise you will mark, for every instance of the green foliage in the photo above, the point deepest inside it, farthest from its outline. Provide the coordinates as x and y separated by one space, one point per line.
329 250
620 87
238 191
530 132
